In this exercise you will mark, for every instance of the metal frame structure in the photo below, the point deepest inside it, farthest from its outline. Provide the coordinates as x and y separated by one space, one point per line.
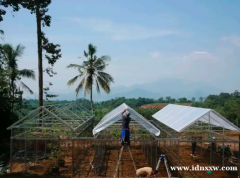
49 122
70 126
52 123
171 142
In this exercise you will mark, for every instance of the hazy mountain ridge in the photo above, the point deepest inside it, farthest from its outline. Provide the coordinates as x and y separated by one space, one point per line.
176 88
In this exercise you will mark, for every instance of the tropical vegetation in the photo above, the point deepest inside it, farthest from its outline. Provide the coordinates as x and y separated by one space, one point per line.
91 72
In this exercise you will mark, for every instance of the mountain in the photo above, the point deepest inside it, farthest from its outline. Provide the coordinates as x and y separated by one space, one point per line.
176 88
135 93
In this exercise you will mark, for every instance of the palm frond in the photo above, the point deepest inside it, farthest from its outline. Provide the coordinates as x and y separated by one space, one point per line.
27 73
98 62
25 87
106 58
97 86
106 77
101 67
73 80
8 56
85 54
92 50
74 66
104 85
80 85
86 64
88 84
18 51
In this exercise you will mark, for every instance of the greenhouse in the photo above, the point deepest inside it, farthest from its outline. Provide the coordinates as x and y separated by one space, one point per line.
217 139
113 118
180 117
69 134
52 121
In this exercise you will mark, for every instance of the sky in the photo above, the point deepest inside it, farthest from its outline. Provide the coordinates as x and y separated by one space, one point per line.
146 39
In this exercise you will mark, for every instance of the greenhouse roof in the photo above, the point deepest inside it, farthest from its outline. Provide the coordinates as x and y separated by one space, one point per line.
53 120
180 117
115 115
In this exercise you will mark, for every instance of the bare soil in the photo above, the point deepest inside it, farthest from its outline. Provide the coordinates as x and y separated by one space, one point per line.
83 155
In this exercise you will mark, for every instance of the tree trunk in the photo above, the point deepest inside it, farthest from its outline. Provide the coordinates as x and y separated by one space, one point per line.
91 99
40 68
12 98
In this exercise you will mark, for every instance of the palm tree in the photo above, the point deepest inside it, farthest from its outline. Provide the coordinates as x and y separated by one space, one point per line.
11 56
91 73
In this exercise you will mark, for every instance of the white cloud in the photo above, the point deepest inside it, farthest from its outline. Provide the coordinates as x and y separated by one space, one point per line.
200 52
232 39
118 31
198 65
155 54
199 56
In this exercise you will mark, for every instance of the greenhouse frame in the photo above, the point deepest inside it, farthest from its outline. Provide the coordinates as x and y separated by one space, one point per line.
70 129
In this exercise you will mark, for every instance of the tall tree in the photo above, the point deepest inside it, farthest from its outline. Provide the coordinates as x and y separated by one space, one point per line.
39 7
236 94
193 99
161 100
11 56
91 72
201 99
168 98
182 100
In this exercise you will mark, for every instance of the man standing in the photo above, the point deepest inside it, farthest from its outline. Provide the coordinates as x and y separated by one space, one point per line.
194 144
125 134
146 172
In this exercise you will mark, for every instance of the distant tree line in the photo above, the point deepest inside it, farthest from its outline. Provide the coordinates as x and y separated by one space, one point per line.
226 104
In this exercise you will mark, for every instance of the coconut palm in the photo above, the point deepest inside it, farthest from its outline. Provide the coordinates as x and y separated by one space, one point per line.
11 56
91 73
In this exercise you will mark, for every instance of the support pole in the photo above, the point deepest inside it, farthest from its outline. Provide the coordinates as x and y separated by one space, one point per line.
72 158
211 152
238 156
147 152
239 142
178 155
36 153
25 152
156 142
166 165
151 154
45 146
11 152
118 163
223 149
164 146
132 159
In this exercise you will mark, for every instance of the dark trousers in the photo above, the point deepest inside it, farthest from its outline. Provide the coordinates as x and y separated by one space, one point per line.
125 137
194 144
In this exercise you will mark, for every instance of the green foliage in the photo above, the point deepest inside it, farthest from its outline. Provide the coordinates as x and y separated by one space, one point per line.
147 112
91 72
225 104
10 60
51 51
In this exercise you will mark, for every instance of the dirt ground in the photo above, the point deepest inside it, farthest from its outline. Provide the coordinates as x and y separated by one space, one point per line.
204 160
83 155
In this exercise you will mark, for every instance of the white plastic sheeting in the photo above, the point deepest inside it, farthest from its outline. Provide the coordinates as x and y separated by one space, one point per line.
115 115
180 117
